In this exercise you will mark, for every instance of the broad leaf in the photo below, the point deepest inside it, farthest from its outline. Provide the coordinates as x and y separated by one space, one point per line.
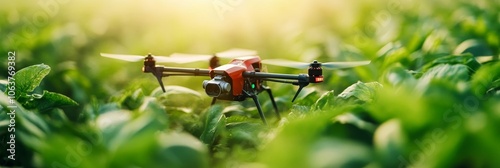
3 85
474 47
326 100
181 150
349 118
486 79
30 127
27 79
245 133
50 100
364 92
215 122
398 76
111 122
465 59
444 72
133 100
178 98
390 140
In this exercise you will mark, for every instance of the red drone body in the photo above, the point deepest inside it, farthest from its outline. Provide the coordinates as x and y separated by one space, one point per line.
232 73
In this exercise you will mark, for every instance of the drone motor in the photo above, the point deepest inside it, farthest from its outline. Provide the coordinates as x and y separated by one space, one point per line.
315 72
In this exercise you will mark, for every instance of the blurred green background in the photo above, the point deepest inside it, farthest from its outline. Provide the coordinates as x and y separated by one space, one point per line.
69 35
434 102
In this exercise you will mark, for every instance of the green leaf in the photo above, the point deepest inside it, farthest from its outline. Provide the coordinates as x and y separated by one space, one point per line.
390 141
172 89
245 133
364 92
179 98
82 152
474 47
333 152
111 122
326 100
465 59
3 85
398 76
4 120
151 105
235 110
399 103
50 100
434 41
31 127
215 122
486 79
349 118
133 99
444 72
135 137
307 97
181 150
27 79
306 142
390 54
291 144
145 124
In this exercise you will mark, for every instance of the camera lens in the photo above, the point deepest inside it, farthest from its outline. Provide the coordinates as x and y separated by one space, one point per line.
215 88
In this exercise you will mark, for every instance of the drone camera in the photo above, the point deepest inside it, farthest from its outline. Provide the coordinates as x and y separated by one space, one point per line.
216 86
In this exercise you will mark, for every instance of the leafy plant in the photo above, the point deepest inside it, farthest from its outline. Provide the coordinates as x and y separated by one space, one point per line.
430 97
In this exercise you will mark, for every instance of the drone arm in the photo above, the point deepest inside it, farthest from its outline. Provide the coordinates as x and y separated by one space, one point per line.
187 71
262 75
159 72
279 80
179 74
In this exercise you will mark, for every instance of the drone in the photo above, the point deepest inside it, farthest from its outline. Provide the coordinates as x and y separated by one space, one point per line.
239 79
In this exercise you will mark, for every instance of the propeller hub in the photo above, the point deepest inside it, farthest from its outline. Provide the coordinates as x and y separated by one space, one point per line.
315 64
214 62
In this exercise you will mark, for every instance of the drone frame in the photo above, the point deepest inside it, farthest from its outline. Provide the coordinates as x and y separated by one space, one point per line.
239 79
249 90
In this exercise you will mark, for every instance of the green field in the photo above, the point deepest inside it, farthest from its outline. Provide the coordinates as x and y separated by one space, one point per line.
429 98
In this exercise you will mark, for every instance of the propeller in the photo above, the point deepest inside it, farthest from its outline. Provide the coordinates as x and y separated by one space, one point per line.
303 65
182 58
130 58
186 58
148 65
231 53
236 52
136 58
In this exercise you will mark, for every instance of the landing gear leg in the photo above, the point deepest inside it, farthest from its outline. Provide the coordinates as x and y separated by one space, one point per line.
259 108
268 90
